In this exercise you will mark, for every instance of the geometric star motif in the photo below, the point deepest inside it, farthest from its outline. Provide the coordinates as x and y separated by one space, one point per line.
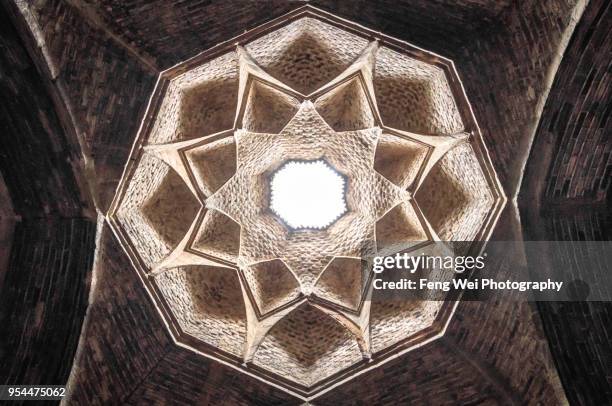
306 136
299 286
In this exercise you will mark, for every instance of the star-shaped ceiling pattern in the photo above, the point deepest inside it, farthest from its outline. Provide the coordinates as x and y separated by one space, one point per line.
232 279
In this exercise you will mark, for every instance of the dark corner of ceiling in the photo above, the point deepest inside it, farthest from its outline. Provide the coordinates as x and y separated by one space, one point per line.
46 230
565 196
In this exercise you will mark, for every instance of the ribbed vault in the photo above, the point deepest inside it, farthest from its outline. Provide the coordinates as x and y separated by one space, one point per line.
195 205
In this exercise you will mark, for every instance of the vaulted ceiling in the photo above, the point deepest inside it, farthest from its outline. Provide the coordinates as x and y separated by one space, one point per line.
76 78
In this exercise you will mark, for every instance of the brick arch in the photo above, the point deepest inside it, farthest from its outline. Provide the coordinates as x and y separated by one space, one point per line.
48 249
566 196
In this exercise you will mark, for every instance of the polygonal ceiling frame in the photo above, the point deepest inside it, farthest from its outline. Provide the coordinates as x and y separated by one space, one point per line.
470 134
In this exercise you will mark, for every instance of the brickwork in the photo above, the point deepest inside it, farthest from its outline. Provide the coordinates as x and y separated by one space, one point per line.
502 53
576 119
188 28
43 300
34 152
566 197
501 342
127 356
504 70
188 380
432 375
106 89
578 332
502 82
502 50
123 337
47 246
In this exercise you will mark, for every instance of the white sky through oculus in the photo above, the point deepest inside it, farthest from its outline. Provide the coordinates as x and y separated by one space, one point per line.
307 194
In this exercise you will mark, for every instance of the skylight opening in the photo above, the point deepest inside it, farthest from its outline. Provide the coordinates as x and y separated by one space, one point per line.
308 194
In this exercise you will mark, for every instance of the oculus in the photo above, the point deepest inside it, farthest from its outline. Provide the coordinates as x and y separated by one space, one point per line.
242 277
307 194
